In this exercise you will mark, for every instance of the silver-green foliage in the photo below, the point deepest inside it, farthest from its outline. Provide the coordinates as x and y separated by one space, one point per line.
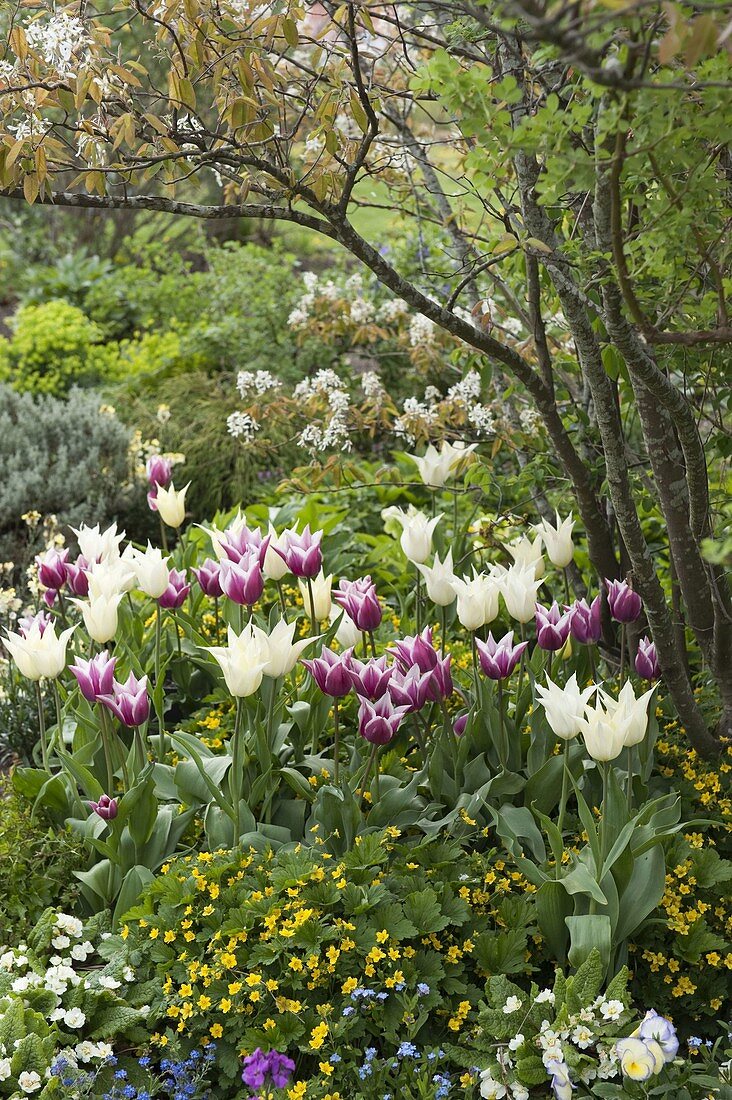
62 457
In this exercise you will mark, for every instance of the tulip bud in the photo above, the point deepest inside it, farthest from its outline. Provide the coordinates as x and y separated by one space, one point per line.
439 578
585 621
379 721
646 660
159 471
151 570
499 659
359 600
552 628
303 554
331 673
625 603
176 592
171 504
209 578
95 677
100 615
52 568
129 702
558 540
242 581
106 807
242 661
320 608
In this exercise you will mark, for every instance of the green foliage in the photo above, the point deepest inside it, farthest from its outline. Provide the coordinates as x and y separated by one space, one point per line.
296 951
67 458
37 864
54 346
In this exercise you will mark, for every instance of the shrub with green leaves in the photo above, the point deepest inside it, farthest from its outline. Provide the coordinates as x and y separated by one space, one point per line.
54 346
37 864
59 1000
321 957
67 458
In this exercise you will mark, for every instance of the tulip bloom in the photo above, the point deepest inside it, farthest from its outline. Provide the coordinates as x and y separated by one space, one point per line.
436 467
525 552
242 661
558 540
477 599
370 678
552 628
603 729
98 545
347 633
208 576
242 581
519 587
319 608
39 653
110 578
106 807
585 621
280 652
331 672
379 721
76 576
101 616
417 532
171 504
564 707
25 625
129 702
52 568
499 659
646 660
358 598
419 651
633 712
151 570
625 603
274 565
412 689
176 592
95 677
239 542
159 472
458 726
439 578
303 554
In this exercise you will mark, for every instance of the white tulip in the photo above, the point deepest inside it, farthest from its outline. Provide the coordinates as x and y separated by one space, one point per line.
439 578
564 707
274 565
98 545
107 578
347 635
417 532
281 652
151 570
477 599
100 615
603 731
171 504
631 710
525 552
319 610
558 540
39 654
436 467
519 587
242 661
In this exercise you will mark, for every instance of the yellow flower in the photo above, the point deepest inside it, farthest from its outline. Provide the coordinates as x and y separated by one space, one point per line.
204 1002
297 1091
326 1068
225 1005
253 979
349 985
234 988
318 1036
296 965
154 933
216 1031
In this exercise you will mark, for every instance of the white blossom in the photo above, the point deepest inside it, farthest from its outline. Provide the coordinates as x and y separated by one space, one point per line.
242 426
421 331
61 41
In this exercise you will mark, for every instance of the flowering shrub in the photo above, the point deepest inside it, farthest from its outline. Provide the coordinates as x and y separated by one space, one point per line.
60 1003
53 347
324 957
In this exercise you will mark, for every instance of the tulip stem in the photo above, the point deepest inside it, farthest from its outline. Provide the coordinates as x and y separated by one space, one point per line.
216 617
630 779
163 535
312 605
373 642
603 817
566 584
444 628
281 597
565 787
336 741
418 602
365 639
106 746
236 769
372 758
501 728
177 635
622 649
42 726
159 701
